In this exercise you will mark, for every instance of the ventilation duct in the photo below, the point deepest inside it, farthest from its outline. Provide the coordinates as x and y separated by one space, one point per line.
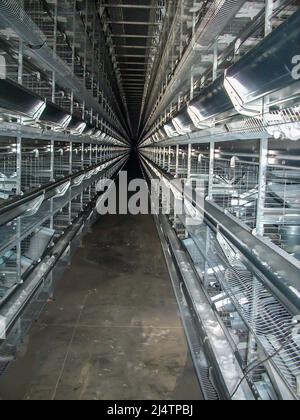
182 122
212 102
99 135
219 14
13 15
76 126
170 130
55 117
270 67
16 100
89 130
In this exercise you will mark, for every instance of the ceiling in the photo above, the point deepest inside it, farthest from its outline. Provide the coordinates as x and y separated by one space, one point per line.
133 32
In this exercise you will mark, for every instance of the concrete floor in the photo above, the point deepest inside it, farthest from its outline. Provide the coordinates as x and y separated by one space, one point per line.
113 331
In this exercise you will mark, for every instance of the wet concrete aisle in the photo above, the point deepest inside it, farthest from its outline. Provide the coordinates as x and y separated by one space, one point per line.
113 331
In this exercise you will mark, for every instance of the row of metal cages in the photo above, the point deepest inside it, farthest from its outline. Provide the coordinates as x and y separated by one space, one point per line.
27 164
76 53
26 239
257 324
70 42
234 183
181 19
43 84
254 323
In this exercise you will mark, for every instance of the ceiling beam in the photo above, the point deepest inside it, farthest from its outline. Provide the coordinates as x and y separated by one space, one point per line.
133 55
131 6
141 63
131 22
133 36
136 47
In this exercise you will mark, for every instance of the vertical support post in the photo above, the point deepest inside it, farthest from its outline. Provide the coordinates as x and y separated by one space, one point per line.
215 61
20 57
262 185
94 51
181 27
73 52
20 62
51 180
54 47
82 155
99 153
164 158
71 159
169 159
269 8
211 170
189 165
19 191
192 84
19 165
177 162
85 42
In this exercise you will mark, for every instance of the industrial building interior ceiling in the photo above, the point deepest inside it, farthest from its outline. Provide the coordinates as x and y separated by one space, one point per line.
201 94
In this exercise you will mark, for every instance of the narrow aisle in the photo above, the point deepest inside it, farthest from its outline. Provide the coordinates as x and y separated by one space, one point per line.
113 331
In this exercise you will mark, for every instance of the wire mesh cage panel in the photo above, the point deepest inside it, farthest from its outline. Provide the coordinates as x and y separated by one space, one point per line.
163 158
15 338
200 166
61 221
34 246
87 196
8 168
9 270
76 206
94 155
87 155
36 168
235 185
11 65
64 48
79 68
200 162
99 154
183 162
63 98
33 311
61 160
282 204
38 13
104 153
94 189
40 217
254 318
38 82
172 160
77 157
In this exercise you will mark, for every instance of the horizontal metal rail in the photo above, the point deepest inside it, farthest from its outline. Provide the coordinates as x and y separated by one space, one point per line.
12 13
